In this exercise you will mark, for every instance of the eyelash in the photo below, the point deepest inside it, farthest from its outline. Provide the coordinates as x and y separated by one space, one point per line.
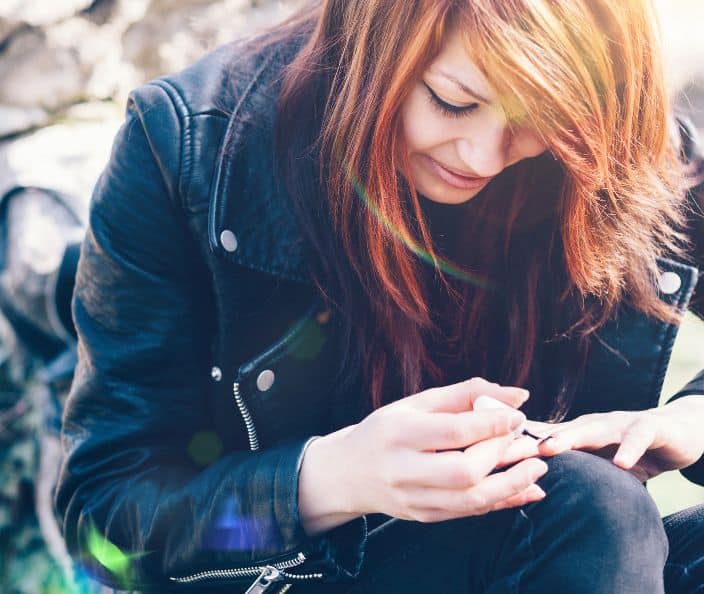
447 109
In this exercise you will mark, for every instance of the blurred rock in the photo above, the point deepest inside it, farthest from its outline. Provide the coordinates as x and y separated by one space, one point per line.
67 155
40 12
100 11
39 71
174 33
17 119
56 53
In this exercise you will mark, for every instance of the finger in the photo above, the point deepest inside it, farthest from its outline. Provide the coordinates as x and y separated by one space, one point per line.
637 439
593 435
519 449
530 494
452 469
481 498
639 473
460 396
445 431
542 429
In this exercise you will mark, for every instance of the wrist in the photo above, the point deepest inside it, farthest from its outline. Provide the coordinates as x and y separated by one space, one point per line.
324 501
685 415
692 406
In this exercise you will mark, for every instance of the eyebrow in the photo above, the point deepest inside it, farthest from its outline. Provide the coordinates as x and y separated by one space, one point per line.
463 86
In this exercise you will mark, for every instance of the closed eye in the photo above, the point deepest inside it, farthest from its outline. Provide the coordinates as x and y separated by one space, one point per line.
448 109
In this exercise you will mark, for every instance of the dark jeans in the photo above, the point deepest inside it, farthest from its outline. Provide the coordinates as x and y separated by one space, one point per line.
597 531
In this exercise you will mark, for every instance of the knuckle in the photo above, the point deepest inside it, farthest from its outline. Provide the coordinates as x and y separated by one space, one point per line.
391 435
423 515
465 475
419 515
430 392
645 419
477 383
378 420
521 480
453 433
636 427
500 424
391 481
403 500
475 502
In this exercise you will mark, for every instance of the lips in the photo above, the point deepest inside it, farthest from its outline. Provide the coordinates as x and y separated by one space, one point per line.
453 178
459 173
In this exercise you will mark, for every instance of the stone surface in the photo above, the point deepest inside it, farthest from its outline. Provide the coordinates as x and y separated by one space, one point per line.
67 156
68 65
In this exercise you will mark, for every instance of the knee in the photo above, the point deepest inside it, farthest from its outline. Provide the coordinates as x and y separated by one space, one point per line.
593 495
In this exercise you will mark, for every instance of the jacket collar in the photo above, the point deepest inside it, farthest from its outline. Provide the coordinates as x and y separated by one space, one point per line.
250 221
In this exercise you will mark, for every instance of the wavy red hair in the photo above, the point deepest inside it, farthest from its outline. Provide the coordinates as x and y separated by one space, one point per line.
588 219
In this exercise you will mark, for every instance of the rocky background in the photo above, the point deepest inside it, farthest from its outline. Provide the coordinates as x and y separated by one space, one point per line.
66 67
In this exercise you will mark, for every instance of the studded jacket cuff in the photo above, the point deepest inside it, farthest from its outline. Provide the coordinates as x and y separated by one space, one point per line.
338 553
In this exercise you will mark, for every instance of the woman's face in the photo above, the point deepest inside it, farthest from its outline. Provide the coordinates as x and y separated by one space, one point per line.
456 131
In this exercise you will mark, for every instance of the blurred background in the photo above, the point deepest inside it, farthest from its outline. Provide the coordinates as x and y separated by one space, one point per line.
66 68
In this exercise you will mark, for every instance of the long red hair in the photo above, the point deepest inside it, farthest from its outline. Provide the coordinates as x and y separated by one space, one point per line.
554 243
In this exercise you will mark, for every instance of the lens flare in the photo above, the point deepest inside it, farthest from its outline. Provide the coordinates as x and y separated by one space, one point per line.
444 265
110 557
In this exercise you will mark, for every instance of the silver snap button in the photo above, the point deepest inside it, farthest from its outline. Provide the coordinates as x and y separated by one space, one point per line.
216 373
228 240
669 282
265 380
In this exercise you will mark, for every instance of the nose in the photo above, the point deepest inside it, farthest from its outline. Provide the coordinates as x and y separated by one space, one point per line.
484 149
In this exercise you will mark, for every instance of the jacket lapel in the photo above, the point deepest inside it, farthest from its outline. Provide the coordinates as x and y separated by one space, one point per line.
250 219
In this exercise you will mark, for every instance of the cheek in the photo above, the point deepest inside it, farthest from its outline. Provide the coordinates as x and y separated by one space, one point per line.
422 126
528 144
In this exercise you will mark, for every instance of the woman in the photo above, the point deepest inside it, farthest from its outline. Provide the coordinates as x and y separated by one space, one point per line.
301 248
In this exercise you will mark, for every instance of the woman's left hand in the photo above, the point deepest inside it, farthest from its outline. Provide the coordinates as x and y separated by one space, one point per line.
645 443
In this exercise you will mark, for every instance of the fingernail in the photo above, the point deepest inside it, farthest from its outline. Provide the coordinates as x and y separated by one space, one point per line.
540 470
517 419
536 492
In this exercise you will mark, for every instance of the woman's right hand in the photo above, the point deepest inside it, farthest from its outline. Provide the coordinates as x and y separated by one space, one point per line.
429 457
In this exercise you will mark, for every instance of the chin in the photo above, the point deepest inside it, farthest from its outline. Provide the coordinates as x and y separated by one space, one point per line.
450 197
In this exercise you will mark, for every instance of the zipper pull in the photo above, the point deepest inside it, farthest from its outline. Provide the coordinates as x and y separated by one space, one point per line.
267 577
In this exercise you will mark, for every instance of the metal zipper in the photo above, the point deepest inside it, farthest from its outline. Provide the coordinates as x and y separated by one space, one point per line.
266 574
244 411
269 576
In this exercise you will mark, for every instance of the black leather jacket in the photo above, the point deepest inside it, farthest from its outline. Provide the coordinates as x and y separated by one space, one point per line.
206 360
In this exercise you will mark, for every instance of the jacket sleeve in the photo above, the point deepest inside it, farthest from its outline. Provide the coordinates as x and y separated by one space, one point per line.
136 508
692 155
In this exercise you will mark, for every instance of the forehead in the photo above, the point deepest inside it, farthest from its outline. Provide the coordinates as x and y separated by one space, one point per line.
455 61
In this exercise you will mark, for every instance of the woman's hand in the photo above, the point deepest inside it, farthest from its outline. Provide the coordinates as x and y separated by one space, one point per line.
645 443
429 457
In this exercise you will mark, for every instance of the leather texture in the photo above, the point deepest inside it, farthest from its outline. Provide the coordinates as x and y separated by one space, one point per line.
176 451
